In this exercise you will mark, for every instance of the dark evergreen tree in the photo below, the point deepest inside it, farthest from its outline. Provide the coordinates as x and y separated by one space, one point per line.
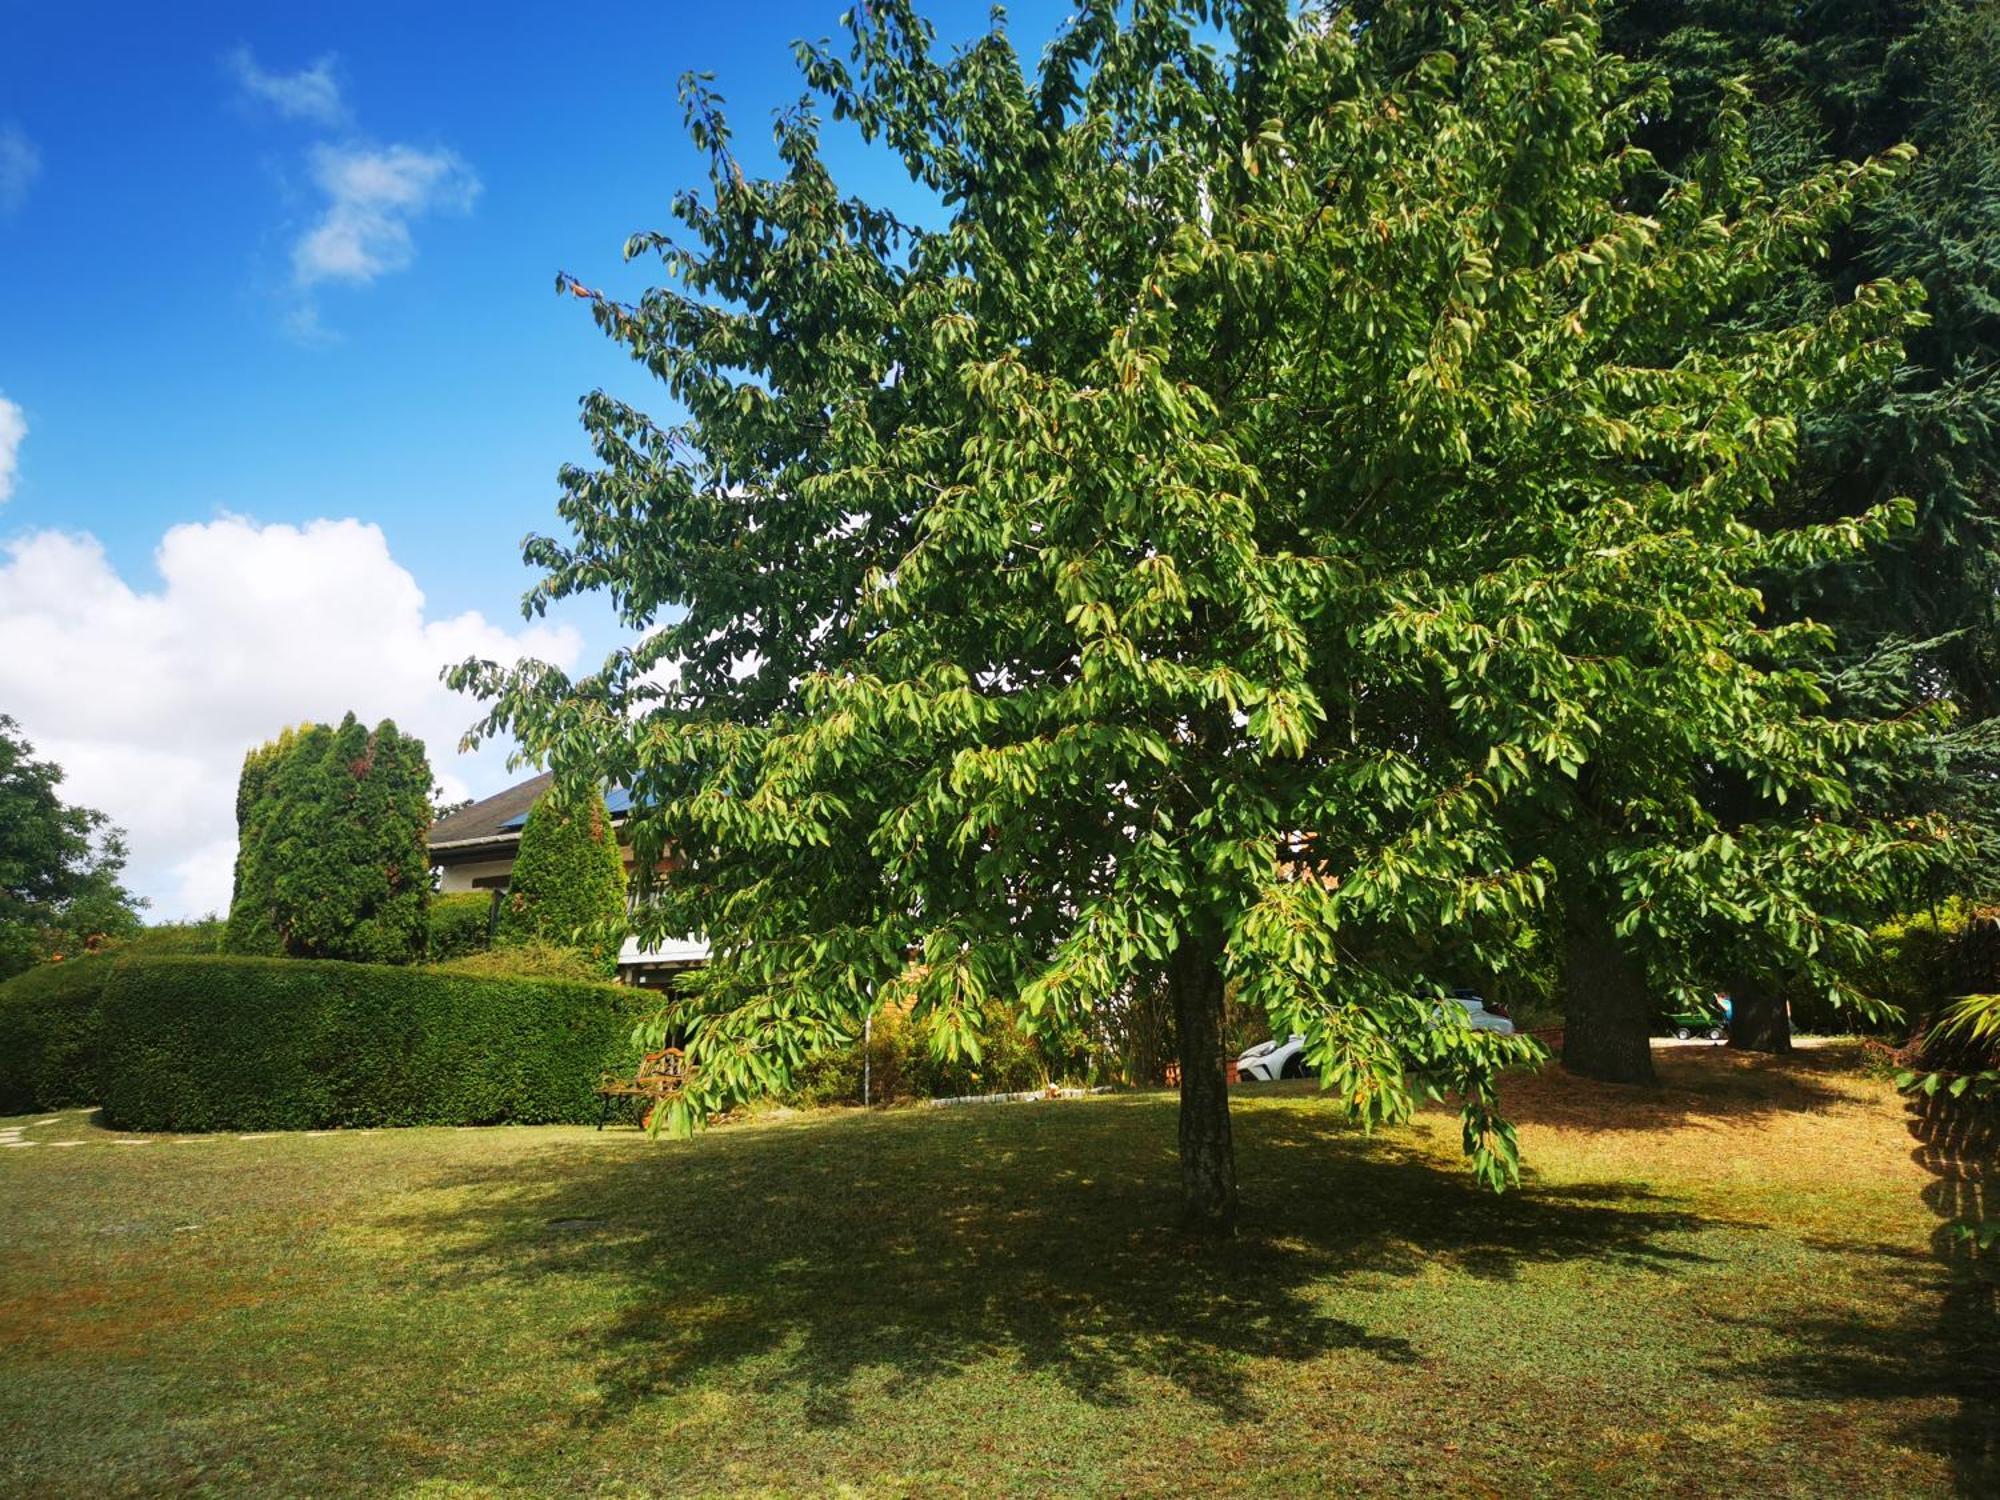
252 925
1840 79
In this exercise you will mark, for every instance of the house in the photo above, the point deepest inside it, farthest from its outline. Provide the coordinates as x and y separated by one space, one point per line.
474 850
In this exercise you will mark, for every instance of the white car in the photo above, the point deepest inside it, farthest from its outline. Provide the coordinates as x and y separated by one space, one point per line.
1478 1017
1267 1062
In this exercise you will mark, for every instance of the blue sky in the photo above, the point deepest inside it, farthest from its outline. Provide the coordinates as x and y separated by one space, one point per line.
263 267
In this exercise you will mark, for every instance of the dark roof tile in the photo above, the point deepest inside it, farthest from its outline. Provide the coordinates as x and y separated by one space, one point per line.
491 818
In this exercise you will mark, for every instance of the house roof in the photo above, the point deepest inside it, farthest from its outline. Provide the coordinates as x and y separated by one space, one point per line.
617 802
499 816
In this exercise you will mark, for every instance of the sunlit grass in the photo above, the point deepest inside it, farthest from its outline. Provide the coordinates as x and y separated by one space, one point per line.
1728 1285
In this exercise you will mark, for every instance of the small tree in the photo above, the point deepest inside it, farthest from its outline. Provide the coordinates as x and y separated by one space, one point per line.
568 885
1293 522
60 866
331 858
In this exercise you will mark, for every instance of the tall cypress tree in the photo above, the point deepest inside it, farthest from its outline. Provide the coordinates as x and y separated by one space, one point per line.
252 927
332 861
568 884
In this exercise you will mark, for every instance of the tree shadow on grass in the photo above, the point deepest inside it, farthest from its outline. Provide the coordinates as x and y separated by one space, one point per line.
1946 1344
912 1247
1696 1083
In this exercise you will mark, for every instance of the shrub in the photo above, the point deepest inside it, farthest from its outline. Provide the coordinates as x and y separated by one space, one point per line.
49 1020
204 936
231 1043
568 882
458 925
1916 963
902 1065
836 1077
529 960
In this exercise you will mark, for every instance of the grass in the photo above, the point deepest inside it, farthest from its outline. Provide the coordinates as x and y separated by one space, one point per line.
1737 1283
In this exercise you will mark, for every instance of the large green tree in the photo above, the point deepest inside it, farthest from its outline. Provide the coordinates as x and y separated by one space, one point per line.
1285 517
331 860
60 865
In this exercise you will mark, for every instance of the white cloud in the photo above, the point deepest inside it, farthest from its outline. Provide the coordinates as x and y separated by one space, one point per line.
149 698
372 195
13 428
310 94
20 165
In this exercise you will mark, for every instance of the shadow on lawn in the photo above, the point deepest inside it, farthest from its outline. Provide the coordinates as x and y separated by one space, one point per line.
1695 1083
917 1246
1946 1342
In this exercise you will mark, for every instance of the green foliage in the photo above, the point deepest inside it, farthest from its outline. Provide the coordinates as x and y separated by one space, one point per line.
904 1062
250 1043
49 1035
568 881
60 894
331 860
1917 619
1293 503
164 938
1915 964
532 959
458 925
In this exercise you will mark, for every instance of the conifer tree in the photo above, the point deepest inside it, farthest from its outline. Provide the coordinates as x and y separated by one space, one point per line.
331 859
1919 617
568 883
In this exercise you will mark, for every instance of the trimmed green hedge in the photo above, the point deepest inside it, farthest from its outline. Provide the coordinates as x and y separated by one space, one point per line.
293 1044
49 1035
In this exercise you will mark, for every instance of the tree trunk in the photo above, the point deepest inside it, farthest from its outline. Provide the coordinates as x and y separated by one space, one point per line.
1607 1012
1208 1157
1759 1021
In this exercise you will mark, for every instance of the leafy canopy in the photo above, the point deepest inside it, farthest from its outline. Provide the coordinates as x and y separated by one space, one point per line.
60 865
1919 617
1284 501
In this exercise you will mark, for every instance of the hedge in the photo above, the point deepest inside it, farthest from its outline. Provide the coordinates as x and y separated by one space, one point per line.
49 1035
231 1043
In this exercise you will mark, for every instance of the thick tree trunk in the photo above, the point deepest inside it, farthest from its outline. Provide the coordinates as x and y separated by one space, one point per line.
1759 1021
1607 1012
1208 1157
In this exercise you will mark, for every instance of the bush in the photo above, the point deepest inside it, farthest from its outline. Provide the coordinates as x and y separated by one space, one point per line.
49 1035
458 925
231 1043
204 936
1917 963
901 1065
530 960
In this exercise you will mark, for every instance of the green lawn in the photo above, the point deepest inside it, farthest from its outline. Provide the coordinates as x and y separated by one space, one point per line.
1734 1285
